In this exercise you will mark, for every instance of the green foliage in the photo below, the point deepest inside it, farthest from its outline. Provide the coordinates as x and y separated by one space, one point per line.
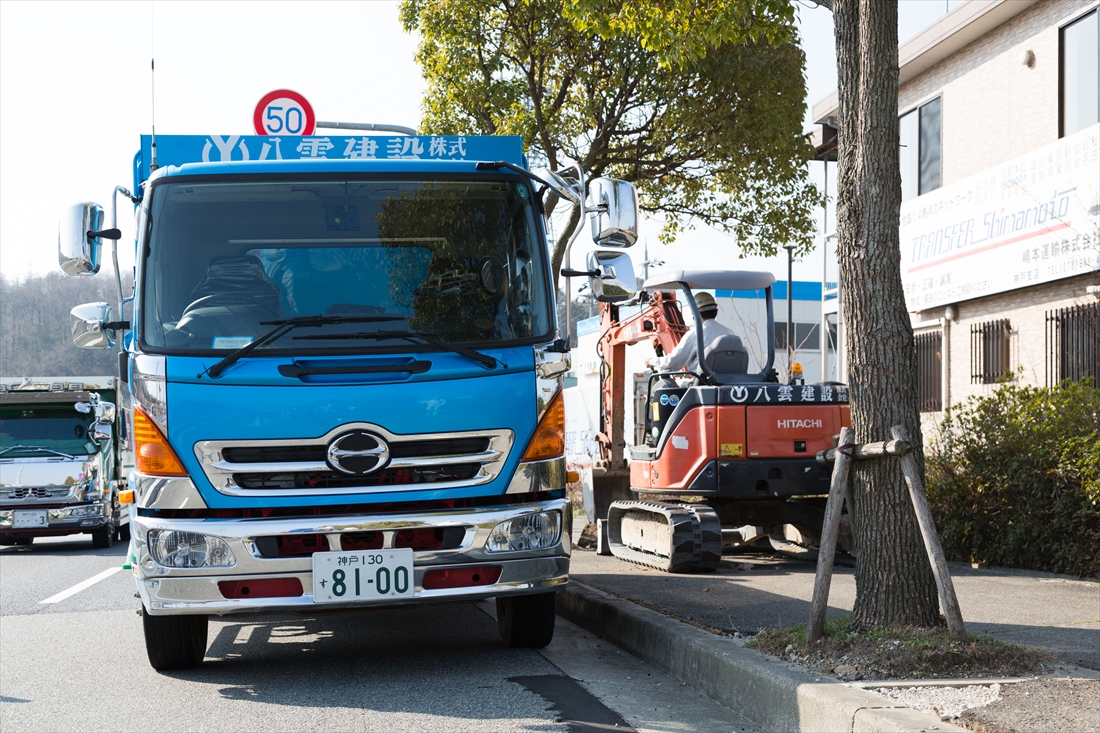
718 140
1014 480
680 33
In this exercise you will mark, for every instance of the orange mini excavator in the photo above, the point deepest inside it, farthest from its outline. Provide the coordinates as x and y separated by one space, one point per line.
721 452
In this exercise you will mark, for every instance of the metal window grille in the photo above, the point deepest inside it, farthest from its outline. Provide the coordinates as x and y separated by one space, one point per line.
1073 344
930 371
989 351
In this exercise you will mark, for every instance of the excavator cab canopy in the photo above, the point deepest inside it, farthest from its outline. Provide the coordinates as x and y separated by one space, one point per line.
722 363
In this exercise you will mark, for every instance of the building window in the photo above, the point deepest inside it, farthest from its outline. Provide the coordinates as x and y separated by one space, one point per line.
806 336
920 149
930 371
1079 74
1073 344
989 352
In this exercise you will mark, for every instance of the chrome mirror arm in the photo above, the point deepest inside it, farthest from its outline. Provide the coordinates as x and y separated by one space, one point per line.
122 300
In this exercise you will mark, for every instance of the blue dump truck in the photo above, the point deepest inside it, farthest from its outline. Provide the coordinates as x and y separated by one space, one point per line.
344 375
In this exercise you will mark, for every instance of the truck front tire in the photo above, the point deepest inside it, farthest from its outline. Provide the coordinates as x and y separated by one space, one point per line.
175 642
526 622
104 537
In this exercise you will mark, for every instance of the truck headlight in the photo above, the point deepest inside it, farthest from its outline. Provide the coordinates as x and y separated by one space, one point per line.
173 549
529 532
89 510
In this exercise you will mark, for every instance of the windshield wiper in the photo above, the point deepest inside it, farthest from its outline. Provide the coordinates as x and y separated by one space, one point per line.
483 360
285 326
38 449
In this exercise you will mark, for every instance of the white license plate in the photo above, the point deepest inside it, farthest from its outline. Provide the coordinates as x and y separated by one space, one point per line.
32 519
362 576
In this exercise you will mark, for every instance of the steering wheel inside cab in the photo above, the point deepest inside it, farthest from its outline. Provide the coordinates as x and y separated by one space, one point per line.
219 314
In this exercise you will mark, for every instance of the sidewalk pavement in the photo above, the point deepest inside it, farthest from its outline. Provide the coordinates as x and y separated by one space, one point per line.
644 611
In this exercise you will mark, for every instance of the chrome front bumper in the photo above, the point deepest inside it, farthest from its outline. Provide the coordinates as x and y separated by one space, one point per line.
58 521
173 591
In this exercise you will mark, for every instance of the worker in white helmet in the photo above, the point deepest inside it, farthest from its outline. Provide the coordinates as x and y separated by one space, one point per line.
684 355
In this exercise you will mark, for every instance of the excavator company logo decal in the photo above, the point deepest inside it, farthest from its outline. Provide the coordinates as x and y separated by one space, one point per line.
794 423
358 453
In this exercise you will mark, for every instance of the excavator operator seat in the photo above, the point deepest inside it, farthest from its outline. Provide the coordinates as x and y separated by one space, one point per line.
727 358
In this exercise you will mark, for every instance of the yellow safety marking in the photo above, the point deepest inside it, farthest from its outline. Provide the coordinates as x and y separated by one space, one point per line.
732 449
656 412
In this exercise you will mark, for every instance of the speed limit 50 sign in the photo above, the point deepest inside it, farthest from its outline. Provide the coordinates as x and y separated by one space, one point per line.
283 112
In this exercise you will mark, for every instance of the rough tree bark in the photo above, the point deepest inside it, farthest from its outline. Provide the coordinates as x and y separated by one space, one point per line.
894 584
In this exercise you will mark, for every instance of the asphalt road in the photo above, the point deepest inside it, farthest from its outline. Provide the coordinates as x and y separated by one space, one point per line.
77 662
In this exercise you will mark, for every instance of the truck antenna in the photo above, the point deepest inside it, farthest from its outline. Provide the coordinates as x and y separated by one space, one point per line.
153 85
153 110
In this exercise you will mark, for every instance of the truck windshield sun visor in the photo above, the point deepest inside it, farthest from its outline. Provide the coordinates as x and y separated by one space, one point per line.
447 261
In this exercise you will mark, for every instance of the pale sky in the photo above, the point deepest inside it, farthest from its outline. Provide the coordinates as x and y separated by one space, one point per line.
75 96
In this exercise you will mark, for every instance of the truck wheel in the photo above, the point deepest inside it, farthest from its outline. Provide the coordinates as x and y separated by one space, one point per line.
526 622
103 537
175 642
123 533
24 540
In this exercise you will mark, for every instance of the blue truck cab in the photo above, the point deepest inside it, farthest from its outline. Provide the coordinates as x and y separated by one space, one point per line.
344 376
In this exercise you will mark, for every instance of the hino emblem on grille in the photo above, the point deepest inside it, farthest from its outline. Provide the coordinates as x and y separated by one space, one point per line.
358 453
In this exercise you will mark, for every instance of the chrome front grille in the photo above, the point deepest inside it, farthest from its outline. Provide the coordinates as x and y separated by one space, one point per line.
36 492
301 467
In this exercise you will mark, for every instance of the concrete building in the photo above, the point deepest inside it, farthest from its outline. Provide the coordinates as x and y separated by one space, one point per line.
999 109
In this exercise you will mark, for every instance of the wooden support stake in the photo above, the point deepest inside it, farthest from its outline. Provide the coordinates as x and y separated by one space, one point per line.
946 588
870 450
829 529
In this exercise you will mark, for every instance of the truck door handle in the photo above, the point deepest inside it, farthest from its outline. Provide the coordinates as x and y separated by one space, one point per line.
411 367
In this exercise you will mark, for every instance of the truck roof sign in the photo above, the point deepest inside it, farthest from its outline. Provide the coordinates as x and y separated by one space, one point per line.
180 149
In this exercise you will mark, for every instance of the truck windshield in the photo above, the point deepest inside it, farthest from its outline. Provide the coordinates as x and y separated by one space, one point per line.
461 261
25 433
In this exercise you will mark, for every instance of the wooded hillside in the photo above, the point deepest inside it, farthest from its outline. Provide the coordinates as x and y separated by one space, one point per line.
34 326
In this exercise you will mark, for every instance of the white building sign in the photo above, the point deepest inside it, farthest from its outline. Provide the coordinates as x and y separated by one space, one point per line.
1028 221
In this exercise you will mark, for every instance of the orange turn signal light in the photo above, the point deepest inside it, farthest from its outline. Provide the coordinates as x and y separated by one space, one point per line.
152 453
126 497
572 477
549 438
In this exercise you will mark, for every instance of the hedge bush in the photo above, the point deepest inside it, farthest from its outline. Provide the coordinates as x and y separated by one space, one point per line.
1014 479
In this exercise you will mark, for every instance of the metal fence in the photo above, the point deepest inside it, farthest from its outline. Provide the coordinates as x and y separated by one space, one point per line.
930 371
1073 344
989 351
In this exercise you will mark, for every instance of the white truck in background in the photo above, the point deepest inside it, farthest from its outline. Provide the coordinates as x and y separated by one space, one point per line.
63 460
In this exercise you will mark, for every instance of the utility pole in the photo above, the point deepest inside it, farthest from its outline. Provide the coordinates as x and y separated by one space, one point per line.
790 306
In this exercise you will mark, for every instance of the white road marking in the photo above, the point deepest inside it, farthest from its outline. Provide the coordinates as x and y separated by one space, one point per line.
82 585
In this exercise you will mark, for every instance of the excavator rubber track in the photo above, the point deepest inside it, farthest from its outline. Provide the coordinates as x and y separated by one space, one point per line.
675 538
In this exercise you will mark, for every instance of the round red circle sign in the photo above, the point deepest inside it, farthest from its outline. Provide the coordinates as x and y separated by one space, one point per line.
283 112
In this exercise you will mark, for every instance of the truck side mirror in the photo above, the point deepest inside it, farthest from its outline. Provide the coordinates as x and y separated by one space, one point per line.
77 252
614 204
88 322
615 279
105 413
102 432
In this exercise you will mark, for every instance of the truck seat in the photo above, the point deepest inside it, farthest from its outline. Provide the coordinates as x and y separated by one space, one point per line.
239 274
727 358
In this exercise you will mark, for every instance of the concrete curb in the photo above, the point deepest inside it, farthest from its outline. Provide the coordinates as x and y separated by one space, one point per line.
775 695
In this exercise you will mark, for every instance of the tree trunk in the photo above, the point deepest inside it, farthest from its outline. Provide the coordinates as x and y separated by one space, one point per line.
558 255
894 584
